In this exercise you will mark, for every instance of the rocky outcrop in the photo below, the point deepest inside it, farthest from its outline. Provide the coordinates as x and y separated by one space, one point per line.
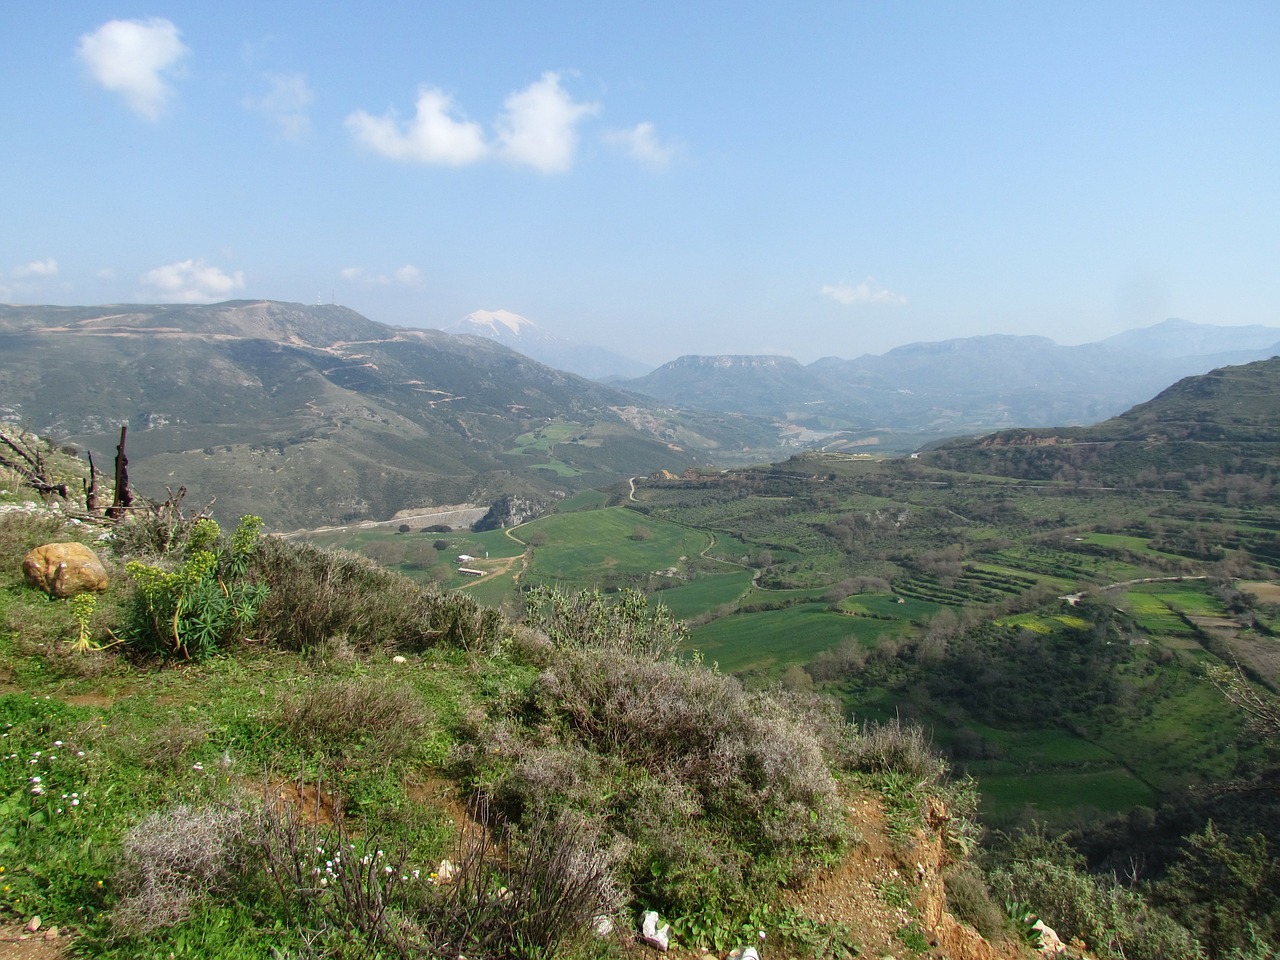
64 569
511 511
955 940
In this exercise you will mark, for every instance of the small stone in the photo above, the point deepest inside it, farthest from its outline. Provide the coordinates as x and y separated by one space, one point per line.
398 659
32 925
51 933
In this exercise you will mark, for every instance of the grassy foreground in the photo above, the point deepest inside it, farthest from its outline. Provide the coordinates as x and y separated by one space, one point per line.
252 748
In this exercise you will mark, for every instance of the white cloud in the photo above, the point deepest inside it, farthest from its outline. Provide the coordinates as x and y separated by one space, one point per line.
868 291
538 128
285 104
129 57
37 268
433 136
191 281
408 276
106 274
539 125
642 145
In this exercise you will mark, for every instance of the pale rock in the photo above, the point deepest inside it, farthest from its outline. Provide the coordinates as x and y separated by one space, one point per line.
652 934
1050 943
64 569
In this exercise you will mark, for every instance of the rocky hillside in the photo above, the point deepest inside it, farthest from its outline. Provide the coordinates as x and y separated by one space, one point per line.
314 414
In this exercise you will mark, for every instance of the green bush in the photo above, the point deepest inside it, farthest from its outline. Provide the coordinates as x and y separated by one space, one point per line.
206 602
321 596
588 620
1112 920
719 794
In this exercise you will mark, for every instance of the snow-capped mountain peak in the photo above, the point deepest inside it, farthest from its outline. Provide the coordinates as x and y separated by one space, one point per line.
496 323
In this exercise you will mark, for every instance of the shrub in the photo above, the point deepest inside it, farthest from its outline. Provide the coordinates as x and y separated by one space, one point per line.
720 794
320 595
969 899
1112 920
528 895
205 603
587 620
354 721
176 858
896 748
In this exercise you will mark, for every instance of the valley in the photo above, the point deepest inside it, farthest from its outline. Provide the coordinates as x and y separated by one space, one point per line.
1083 616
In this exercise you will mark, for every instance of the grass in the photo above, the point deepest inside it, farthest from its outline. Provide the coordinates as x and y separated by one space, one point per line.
1064 794
776 639
581 548
706 593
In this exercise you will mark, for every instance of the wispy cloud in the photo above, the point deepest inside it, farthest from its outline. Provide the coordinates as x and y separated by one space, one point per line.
285 104
540 125
433 136
868 291
132 57
191 281
37 268
409 275
537 128
641 143
406 276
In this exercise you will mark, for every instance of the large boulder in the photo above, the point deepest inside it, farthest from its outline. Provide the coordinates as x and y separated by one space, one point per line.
64 569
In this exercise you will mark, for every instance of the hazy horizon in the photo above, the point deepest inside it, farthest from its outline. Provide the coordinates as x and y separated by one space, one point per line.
825 179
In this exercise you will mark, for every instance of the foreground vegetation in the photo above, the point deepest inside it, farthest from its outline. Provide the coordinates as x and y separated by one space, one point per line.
189 777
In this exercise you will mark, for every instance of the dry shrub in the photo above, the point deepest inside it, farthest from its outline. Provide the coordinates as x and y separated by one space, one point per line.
969 900
898 748
318 595
720 793
363 721
542 889
177 857
528 895
743 753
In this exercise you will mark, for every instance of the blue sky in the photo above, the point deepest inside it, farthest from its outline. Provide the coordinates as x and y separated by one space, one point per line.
660 178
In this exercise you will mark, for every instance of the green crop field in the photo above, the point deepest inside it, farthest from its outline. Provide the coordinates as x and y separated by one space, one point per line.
888 605
581 548
1063 795
707 592
775 639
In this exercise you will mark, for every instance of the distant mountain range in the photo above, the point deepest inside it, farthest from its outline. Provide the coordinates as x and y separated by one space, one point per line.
922 391
315 414
523 336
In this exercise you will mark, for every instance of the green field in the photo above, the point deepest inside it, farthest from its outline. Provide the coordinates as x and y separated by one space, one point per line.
707 592
755 566
587 547
1063 795
770 641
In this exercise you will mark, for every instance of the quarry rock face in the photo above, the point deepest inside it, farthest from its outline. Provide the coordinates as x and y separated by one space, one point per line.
64 570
